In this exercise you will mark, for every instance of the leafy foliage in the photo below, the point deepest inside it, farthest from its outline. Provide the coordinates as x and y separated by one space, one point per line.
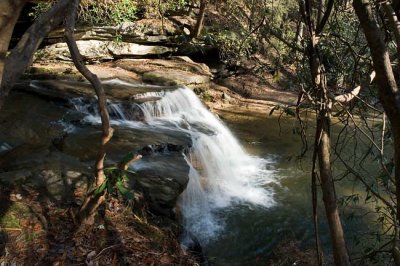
115 182
99 12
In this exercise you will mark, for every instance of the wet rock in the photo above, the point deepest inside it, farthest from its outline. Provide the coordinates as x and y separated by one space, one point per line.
4 146
162 177
29 119
54 160
63 90
83 143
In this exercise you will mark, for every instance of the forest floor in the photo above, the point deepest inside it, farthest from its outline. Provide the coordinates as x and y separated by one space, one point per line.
36 231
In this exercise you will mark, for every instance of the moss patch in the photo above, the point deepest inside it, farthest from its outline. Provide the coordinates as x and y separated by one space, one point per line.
13 216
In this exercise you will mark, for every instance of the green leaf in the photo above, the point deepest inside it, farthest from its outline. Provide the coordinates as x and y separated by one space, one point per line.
273 109
124 177
290 112
101 188
131 172
109 187
124 191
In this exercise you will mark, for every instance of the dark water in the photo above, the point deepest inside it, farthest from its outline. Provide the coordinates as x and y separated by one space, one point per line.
252 233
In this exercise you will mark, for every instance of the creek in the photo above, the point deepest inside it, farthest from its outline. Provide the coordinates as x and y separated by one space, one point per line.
247 192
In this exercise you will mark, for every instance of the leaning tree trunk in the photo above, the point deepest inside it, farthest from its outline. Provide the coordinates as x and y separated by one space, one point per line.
200 20
9 14
21 56
388 91
92 202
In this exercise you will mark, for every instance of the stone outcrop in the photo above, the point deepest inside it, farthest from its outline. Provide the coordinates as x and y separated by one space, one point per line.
96 50
142 38
177 70
63 90
144 31
45 144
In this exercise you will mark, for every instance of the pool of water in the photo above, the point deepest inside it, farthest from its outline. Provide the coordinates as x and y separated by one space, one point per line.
251 232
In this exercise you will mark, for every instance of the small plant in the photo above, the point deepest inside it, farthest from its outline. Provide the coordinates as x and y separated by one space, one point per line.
117 177
123 11
115 181
118 38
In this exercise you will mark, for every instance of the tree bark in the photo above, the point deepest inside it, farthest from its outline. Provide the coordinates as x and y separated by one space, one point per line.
21 56
340 253
9 14
92 202
322 135
388 91
339 248
200 20
394 23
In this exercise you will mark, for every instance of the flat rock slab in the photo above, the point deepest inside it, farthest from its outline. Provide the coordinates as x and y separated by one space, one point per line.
97 50
65 89
171 77
176 71
84 142
147 31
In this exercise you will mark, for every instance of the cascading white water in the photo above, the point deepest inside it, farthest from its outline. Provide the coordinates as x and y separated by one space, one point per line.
228 174
224 174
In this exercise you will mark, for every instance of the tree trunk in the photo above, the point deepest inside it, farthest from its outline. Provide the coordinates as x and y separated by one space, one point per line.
92 202
393 23
323 139
389 93
200 20
9 14
21 56
340 253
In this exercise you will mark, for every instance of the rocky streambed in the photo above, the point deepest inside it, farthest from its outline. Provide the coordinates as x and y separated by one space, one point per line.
50 130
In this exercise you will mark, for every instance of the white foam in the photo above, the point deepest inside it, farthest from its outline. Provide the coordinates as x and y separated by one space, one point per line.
225 174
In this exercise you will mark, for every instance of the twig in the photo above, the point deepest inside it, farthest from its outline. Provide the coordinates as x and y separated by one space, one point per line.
104 250
10 229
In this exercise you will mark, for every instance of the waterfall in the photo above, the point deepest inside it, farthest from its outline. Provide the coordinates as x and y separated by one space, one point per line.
221 174
225 174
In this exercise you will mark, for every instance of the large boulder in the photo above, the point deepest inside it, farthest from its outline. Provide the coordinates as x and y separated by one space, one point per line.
50 148
162 177
83 142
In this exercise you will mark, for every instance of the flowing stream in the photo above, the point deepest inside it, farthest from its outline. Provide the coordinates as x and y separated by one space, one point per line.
241 202
222 174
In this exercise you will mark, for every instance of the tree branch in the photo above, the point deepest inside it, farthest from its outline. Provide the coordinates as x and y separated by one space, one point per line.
347 97
94 80
324 20
21 56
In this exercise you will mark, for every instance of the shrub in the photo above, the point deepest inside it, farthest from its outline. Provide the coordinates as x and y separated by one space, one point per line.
98 12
